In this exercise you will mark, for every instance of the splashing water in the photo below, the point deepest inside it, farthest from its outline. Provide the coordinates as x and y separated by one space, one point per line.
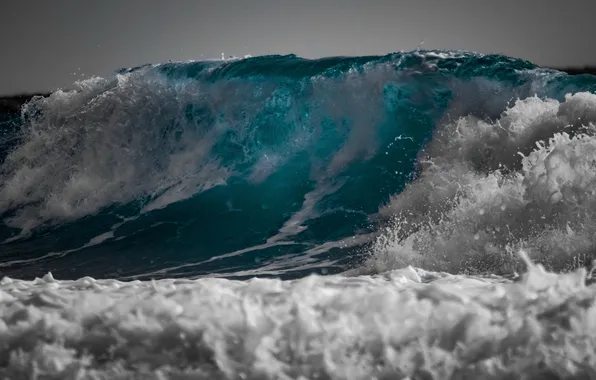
382 202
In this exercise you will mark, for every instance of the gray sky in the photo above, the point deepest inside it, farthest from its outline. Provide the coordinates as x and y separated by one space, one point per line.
50 43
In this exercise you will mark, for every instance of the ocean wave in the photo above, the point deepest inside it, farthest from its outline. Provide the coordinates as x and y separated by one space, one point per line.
279 165
424 215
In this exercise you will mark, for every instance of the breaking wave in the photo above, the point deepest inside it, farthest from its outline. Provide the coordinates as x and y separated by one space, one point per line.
284 166
423 215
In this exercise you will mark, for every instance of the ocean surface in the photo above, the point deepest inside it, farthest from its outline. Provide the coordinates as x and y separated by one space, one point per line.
419 215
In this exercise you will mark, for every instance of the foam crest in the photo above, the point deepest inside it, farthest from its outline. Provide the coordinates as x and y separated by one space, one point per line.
487 189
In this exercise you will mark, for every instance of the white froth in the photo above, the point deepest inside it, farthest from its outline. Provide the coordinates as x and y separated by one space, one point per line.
486 189
405 324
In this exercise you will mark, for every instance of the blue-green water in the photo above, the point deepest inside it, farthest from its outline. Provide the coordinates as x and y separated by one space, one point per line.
271 165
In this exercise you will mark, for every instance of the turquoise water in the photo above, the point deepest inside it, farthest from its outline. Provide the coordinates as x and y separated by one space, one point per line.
271 166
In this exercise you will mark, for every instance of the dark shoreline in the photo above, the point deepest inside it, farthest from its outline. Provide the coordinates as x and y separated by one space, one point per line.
579 70
12 104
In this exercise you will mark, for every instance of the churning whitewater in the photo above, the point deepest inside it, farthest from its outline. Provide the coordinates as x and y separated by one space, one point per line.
422 215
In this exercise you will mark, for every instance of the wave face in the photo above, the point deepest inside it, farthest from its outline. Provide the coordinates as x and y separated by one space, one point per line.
282 166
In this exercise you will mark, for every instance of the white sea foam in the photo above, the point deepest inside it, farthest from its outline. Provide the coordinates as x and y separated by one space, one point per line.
489 188
403 324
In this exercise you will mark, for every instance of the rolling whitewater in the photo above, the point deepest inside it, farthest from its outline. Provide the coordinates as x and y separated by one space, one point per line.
419 215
